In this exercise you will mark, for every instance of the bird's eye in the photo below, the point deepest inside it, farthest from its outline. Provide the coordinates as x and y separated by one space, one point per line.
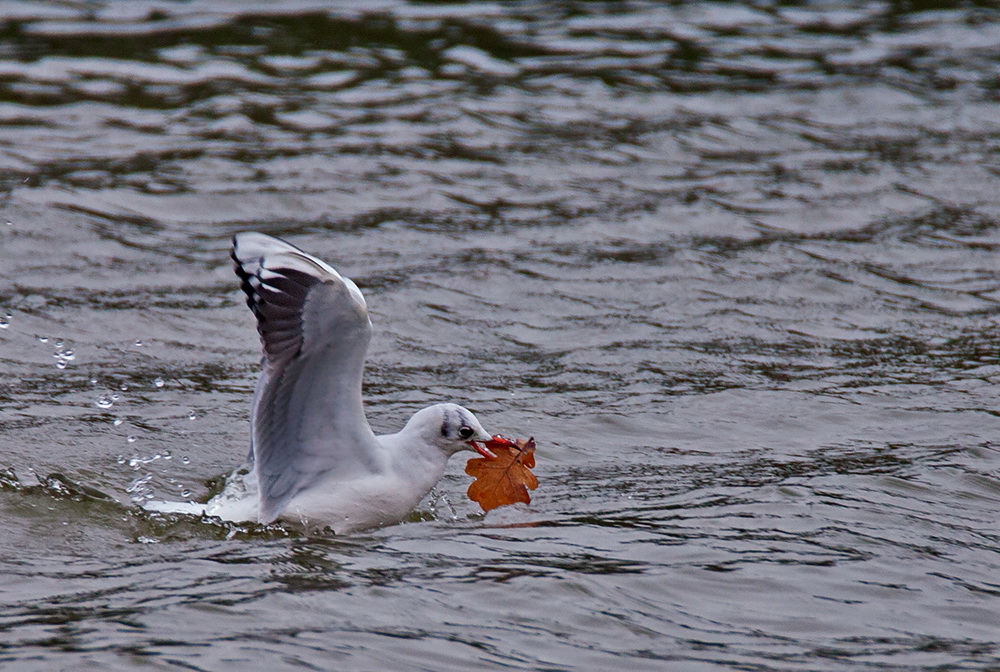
466 432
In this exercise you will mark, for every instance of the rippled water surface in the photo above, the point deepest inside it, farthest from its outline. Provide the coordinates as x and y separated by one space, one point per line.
733 265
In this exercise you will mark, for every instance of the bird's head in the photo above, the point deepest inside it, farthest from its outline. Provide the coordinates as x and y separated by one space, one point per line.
450 427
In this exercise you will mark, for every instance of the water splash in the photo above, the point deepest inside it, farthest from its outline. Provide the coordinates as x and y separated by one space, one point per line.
54 484
438 501
140 490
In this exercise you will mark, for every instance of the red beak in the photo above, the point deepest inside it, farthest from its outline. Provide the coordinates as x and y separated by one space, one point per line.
483 450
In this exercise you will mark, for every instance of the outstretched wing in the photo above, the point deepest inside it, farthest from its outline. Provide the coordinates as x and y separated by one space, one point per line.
307 420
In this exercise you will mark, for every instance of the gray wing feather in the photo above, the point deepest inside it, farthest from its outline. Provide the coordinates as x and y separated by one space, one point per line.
307 421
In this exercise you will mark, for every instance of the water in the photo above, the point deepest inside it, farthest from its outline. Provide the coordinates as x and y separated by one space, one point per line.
733 265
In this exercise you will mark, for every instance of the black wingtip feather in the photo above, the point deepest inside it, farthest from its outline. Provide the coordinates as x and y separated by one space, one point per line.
276 298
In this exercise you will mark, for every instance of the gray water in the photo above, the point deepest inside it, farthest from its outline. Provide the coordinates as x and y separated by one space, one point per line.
734 265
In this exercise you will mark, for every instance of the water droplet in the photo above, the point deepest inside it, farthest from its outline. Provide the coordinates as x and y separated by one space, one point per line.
158 382
43 339
104 401
117 422
63 357
192 415
93 380
120 459
185 460
4 321
10 223
132 438
115 397
59 343
167 455
138 344
185 493
123 387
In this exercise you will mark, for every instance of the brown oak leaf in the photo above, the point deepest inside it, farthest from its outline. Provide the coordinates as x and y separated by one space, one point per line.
506 478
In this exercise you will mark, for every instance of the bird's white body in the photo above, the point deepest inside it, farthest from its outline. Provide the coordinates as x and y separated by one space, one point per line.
314 460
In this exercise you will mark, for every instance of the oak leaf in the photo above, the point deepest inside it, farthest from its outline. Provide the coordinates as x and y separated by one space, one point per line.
506 478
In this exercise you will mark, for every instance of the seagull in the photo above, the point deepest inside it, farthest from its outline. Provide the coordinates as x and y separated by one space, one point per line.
314 460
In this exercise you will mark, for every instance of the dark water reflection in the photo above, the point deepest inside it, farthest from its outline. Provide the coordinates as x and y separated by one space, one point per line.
734 265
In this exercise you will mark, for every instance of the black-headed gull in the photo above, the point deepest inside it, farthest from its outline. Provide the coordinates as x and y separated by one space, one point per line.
314 459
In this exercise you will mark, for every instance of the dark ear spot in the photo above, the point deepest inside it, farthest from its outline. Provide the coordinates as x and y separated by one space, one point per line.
445 426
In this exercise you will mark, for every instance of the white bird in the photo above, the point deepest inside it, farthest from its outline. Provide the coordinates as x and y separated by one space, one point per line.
314 459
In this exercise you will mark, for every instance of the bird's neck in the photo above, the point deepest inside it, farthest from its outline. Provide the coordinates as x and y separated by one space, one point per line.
414 459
